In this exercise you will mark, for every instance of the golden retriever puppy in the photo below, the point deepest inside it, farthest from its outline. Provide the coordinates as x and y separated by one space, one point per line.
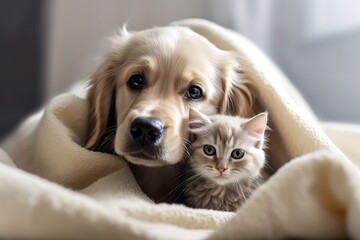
141 94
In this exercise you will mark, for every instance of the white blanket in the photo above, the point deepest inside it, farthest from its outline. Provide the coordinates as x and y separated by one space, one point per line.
51 187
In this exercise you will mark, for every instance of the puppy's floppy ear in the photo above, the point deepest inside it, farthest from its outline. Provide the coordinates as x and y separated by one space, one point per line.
100 98
238 98
101 94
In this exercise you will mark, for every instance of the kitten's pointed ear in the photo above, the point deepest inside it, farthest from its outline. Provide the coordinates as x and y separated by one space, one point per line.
197 120
256 126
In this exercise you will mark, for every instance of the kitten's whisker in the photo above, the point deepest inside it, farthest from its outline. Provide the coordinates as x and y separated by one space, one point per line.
188 184
184 174
187 172
108 141
267 166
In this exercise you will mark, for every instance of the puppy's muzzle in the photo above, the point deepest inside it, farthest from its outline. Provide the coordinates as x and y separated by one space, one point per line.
146 131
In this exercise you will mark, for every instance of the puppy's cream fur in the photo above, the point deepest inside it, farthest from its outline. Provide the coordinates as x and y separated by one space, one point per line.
171 59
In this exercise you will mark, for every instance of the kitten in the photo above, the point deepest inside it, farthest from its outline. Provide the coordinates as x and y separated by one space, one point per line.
226 159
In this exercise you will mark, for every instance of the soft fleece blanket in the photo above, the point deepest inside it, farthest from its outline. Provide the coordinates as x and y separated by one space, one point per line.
51 187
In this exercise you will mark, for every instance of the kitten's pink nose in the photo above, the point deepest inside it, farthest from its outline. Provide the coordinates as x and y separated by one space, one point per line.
221 169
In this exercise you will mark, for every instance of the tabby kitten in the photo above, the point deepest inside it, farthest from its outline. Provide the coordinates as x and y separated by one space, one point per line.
226 159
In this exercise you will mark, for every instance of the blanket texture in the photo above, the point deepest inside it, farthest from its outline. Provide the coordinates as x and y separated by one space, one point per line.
52 187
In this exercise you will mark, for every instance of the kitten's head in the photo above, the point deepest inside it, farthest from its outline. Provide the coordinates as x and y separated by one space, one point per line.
227 149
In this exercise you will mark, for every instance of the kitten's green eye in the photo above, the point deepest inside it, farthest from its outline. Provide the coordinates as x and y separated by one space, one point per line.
237 153
209 150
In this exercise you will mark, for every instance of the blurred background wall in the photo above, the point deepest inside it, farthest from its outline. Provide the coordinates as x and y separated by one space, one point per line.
21 51
47 46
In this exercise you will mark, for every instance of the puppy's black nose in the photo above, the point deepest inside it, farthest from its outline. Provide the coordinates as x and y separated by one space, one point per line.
146 131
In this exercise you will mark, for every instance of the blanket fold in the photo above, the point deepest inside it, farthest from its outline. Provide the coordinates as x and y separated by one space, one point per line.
52 187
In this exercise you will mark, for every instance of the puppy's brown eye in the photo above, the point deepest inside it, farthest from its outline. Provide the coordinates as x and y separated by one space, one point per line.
194 92
136 82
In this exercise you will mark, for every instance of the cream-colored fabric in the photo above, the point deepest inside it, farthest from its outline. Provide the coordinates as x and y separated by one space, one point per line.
346 137
314 194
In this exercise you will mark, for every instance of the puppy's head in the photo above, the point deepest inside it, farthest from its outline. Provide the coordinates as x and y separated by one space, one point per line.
141 94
